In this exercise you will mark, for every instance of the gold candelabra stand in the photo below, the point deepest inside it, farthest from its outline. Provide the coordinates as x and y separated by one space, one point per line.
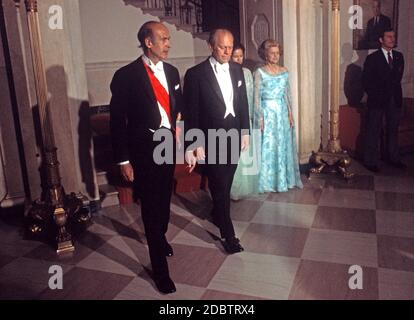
55 215
333 158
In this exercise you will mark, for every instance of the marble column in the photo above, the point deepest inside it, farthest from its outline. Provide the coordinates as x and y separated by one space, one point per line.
68 95
21 159
11 181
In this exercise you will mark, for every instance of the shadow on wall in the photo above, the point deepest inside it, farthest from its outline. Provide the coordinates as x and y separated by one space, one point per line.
85 148
57 85
352 125
353 87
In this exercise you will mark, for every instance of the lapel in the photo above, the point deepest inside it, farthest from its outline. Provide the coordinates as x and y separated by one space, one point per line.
171 88
145 81
371 23
212 81
397 61
149 91
234 81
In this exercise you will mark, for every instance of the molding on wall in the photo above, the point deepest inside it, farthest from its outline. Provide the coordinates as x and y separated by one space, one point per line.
99 75
93 66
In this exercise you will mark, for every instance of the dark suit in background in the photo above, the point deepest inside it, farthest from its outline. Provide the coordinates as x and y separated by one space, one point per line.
382 83
134 113
375 28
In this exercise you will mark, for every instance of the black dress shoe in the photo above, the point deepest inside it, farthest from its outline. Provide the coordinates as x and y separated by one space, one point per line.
374 169
165 285
232 245
169 252
398 165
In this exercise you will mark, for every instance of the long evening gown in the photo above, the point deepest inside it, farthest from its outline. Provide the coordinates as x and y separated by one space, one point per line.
246 176
279 165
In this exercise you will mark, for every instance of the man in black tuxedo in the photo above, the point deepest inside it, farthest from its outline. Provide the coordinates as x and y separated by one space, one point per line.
376 27
146 97
216 99
382 75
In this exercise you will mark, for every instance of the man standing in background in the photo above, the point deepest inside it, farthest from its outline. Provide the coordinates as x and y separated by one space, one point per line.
382 75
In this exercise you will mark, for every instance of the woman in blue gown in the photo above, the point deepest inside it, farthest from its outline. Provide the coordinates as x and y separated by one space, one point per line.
246 176
279 165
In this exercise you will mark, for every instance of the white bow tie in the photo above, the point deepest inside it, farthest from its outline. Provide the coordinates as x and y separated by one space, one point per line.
222 67
158 67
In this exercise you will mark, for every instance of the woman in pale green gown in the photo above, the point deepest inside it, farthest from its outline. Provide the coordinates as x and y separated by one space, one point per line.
246 177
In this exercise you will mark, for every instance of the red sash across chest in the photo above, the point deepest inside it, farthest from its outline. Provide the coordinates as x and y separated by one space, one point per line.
161 94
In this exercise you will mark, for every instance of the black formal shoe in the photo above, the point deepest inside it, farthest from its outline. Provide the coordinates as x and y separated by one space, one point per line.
374 169
232 245
398 165
169 252
165 285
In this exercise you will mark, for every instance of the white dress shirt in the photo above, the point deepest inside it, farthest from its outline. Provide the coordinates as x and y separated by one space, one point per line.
159 73
222 73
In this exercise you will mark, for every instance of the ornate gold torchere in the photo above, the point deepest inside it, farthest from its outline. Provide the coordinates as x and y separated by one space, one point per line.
55 215
333 158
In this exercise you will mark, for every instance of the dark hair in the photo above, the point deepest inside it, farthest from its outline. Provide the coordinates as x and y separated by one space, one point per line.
266 45
212 36
379 2
385 31
239 46
145 32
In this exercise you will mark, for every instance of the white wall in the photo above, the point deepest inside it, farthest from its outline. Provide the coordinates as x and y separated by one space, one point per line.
109 29
405 45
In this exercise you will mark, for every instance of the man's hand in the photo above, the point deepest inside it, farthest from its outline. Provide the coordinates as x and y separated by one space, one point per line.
191 160
262 124
245 142
191 157
178 137
200 154
127 172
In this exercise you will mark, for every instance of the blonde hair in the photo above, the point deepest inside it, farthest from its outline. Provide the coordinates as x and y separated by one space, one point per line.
266 45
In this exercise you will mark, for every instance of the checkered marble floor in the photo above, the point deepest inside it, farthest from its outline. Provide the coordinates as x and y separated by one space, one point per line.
298 245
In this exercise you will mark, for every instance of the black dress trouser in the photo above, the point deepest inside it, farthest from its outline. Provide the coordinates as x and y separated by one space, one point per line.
154 186
374 129
220 170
